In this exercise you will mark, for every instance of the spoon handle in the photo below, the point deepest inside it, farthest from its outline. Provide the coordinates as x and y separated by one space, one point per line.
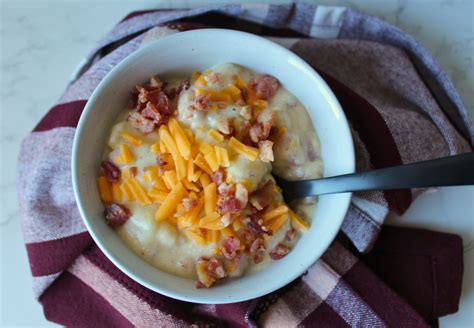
448 171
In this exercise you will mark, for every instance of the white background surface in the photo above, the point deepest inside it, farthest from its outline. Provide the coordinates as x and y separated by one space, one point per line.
42 42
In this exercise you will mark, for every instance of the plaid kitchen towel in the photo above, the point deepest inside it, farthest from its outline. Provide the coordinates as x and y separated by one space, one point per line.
402 108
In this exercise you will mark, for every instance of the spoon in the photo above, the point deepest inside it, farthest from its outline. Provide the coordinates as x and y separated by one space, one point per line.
447 171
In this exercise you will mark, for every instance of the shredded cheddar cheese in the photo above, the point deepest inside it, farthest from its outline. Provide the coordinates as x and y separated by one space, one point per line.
215 135
131 139
126 154
202 163
170 203
126 193
157 196
234 92
162 146
190 185
222 156
170 179
105 190
191 218
181 139
205 148
215 95
214 236
116 192
205 180
228 232
118 159
298 222
173 149
196 237
277 222
250 153
211 159
210 198
237 225
137 191
196 75
155 148
283 209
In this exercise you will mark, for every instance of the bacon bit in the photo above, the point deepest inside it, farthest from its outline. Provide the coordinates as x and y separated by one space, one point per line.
200 285
257 227
183 86
230 248
161 160
140 123
245 94
111 171
240 102
247 234
257 248
189 203
218 177
203 102
256 132
158 111
133 171
209 270
250 210
264 86
241 194
261 129
223 125
213 78
228 204
151 112
225 189
248 141
262 197
145 95
116 214
171 93
279 251
266 151
290 234
155 82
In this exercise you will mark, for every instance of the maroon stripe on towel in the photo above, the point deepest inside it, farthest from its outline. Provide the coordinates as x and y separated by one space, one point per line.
180 310
424 267
324 316
233 313
72 303
381 299
52 256
64 115
375 134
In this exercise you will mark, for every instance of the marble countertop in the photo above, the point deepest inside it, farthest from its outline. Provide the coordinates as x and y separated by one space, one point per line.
44 41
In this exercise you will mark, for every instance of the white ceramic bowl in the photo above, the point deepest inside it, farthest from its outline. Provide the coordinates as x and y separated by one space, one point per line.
184 53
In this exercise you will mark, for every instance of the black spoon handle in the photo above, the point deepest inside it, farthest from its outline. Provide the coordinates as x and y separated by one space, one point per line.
448 171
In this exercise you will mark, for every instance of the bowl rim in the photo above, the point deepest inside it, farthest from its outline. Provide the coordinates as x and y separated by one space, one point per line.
80 129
